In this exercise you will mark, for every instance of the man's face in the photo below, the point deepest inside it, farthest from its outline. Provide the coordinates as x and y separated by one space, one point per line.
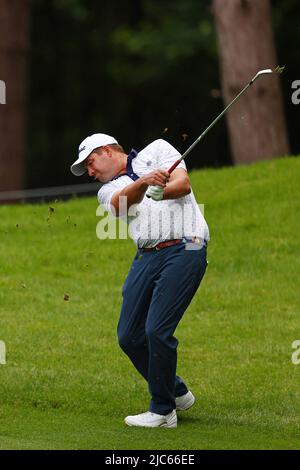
101 165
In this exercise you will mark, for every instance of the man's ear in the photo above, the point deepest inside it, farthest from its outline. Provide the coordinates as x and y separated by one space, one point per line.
107 150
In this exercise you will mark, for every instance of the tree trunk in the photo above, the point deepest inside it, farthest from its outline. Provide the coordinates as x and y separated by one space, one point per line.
256 122
13 51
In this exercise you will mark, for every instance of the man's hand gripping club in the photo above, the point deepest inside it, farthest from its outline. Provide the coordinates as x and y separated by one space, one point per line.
157 181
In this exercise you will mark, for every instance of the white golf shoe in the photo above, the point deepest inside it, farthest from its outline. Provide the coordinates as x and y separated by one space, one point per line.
153 420
185 401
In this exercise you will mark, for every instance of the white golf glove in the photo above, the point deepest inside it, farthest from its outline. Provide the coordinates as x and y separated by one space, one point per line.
155 192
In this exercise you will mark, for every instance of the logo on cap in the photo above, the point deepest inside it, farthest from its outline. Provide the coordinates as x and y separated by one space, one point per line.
81 150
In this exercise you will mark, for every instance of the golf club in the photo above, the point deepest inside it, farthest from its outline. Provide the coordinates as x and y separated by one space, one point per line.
277 70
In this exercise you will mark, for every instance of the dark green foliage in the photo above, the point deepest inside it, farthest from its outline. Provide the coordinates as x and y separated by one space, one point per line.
138 70
287 37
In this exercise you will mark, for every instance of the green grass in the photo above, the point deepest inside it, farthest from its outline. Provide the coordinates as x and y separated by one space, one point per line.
67 385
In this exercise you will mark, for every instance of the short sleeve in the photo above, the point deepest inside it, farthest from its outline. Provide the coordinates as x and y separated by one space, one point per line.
105 195
167 155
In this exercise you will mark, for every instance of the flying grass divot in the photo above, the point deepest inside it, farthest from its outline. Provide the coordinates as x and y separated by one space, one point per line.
2 353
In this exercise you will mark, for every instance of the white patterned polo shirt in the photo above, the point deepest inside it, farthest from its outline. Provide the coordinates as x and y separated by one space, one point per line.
151 222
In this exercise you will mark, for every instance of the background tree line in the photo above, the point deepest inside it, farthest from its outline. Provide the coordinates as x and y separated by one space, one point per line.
138 70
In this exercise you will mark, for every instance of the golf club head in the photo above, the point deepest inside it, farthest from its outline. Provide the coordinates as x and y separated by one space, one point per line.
277 70
262 72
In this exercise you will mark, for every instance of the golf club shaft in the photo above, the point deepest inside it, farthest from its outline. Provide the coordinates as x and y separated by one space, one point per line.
210 126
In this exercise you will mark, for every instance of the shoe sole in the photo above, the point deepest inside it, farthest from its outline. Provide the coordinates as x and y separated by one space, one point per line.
169 426
163 425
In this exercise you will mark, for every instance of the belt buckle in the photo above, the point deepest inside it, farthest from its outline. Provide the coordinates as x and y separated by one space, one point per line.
193 239
195 243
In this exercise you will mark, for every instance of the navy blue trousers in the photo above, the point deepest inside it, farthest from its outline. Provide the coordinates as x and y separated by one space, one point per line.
158 289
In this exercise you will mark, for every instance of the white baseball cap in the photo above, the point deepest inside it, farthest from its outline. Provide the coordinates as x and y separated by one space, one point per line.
86 147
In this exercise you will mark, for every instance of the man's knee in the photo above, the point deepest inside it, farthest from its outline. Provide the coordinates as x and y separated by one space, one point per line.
161 338
129 342
153 334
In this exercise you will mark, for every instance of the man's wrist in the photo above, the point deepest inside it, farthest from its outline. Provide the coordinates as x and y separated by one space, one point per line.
143 184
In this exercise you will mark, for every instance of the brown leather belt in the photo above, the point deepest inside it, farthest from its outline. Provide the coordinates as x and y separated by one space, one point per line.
161 245
176 241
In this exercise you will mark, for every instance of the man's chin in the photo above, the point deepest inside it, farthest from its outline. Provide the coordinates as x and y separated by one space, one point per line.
102 179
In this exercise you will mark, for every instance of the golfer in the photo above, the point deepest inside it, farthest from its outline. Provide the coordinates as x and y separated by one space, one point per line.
171 237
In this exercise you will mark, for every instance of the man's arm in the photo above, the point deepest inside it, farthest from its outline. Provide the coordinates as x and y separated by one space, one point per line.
179 185
135 192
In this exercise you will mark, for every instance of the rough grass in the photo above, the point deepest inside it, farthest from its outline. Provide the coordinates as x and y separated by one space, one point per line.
67 385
